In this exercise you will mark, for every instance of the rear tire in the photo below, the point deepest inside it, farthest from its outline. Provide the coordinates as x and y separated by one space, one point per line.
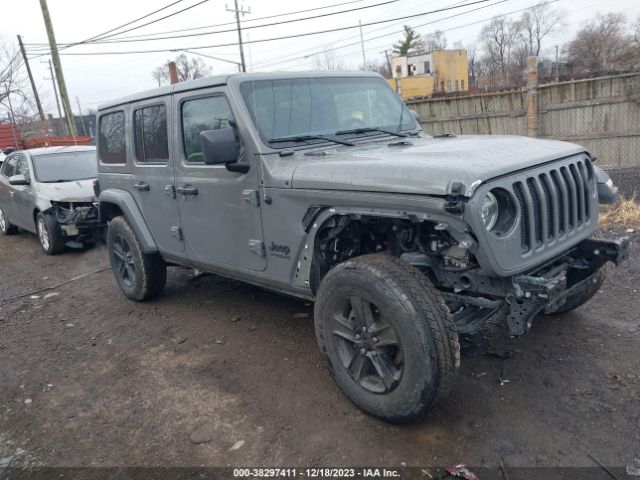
49 234
140 276
583 297
387 336
5 227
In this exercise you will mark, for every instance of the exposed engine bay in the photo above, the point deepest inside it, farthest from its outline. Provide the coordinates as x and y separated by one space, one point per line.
476 298
78 221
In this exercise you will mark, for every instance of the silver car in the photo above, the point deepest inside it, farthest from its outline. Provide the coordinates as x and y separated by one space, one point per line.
50 192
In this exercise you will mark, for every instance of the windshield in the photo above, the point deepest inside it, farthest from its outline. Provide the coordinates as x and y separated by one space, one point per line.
323 106
68 166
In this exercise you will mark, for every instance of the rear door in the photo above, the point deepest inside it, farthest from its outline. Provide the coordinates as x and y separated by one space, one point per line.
219 209
153 175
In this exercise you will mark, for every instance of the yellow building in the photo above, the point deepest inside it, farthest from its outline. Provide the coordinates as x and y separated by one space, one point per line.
422 75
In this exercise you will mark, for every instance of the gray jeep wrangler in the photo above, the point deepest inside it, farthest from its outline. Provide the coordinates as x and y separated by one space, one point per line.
324 186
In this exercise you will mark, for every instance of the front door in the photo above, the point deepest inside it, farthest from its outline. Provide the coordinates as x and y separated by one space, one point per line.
219 209
17 199
153 177
22 205
7 170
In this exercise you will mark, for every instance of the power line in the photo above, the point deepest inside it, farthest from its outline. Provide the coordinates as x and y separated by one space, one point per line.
69 45
172 37
285 37
444 30
246 21
396 32
131 22
156 20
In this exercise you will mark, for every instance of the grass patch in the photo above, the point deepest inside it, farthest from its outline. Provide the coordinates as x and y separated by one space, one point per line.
625 212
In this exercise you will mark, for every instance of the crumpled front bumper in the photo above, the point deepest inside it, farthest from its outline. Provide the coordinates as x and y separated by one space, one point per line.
79 221
567 277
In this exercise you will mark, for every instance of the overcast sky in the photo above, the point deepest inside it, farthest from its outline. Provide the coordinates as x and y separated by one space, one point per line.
94 79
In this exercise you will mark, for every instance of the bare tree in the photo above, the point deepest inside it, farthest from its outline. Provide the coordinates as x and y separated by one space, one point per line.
12 78
327 60
498 38
602 45
376 66
473 63
536 24
15 93
435 41
188 68
411 43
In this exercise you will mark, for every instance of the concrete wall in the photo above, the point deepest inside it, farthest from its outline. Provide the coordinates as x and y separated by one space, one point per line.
603 114
451 70
411 87
449 73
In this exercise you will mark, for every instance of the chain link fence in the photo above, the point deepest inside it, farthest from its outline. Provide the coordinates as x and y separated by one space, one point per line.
603 114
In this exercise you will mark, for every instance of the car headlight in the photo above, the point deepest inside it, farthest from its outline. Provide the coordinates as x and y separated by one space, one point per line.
490 211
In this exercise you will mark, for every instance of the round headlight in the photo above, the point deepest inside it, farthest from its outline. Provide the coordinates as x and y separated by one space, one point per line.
490 211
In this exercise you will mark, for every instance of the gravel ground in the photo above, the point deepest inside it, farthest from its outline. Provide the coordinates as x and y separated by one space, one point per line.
219 373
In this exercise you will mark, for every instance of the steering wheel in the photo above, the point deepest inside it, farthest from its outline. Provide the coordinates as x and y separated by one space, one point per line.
351 123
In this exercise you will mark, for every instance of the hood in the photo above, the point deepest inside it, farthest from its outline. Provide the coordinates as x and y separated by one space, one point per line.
75 191
427 165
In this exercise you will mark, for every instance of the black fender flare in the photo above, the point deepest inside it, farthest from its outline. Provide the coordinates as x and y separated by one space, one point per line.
127 204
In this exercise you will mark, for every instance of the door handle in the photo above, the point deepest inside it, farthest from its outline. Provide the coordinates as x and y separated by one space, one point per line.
187 190
142 186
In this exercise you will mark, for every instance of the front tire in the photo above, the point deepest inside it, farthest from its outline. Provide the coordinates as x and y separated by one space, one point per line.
140 276
5 226
387 336
49 234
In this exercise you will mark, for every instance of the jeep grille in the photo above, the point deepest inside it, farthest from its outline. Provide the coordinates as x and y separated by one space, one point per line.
554 204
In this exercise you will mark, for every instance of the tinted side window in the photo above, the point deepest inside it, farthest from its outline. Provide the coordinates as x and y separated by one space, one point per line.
112 146
150 134
211 113
22 167
9 166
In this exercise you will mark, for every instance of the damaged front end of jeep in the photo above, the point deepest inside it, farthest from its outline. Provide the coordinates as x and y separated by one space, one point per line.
537 256
78 221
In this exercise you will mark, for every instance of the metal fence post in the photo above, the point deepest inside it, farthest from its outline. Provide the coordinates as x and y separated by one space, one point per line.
533 116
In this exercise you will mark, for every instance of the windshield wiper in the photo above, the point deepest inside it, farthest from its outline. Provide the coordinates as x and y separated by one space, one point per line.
303 138
371 129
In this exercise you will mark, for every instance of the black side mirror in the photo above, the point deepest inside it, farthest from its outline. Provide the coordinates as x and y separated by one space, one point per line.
219 146
19 180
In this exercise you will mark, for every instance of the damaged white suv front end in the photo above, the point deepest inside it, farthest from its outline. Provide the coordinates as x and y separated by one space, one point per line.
50 192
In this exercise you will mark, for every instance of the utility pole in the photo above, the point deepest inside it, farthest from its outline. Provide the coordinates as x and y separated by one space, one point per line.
71 127
364 57
84 126
386 54
43 119
239 11
173 73
12 120
557 65
55 93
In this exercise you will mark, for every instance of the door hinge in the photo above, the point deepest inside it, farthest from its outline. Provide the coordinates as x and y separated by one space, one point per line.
176 232
257 247
170 191
252 197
